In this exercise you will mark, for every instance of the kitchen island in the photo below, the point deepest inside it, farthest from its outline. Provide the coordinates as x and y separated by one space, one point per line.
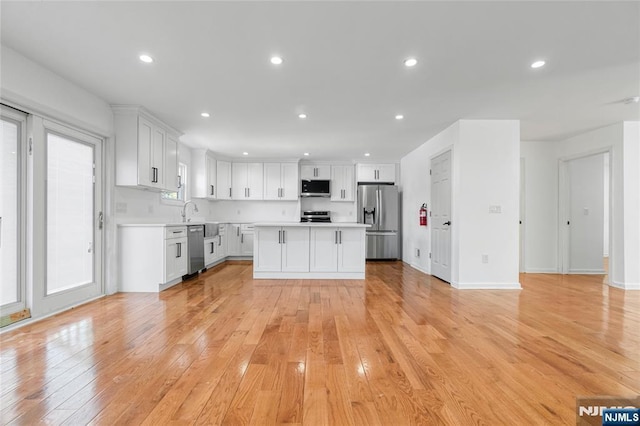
309 250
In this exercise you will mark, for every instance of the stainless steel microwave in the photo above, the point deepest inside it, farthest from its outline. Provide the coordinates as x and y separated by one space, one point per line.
315 188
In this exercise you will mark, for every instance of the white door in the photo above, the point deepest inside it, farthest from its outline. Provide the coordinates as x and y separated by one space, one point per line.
323 250
72 218
272 181
585 218
290 183
386 173
239 181
223 179
351 250
12 208
212 191
295 249
267 255
255 180
157 157
441 216
233 240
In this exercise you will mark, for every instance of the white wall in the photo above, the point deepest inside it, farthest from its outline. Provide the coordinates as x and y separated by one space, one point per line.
415 185
31 86
542 165
485 172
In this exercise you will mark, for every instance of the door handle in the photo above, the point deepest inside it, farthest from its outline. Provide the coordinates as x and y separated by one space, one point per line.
279 237
211 248
336 235
229 192
284 241
241 238
178 250
340 236
211 189
219 240
447 223
100 220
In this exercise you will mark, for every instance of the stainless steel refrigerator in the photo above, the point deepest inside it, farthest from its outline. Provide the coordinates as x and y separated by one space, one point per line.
379 206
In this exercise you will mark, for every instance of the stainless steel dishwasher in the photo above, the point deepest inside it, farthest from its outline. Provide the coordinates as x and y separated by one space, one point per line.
195 239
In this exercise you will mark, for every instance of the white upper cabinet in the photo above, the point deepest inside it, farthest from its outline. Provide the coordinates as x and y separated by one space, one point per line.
204 174
146 150
377 173
315 172
342 183
281 181
223 172
247 181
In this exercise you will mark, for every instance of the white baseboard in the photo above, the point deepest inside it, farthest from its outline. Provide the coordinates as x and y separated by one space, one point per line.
587 271
419 268
541 271
486 286
308 275
625 286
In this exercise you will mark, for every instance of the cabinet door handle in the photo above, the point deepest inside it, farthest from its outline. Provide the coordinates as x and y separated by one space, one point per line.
336 235
179 181
241 238
219 240
211 248
248 192
279 237
238 231
178 250
212 189
284 237
340 235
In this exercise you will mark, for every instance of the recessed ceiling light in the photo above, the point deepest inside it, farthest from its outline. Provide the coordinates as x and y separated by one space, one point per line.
276 60
205 115
245 153
302 115
306 154
146 59
410 62
538 64
366 154
399 117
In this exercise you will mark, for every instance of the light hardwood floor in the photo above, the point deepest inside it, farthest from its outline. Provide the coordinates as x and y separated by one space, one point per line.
398 348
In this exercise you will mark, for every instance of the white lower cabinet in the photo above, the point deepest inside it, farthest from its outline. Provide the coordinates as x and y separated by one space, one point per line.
211 250
337 250
239 240
176 258
281 249
151 257
309 252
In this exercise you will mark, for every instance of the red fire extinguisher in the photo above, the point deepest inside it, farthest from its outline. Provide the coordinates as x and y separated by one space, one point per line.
423 215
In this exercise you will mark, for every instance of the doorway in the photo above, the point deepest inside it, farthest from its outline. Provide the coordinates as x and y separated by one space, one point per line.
584 207
441 216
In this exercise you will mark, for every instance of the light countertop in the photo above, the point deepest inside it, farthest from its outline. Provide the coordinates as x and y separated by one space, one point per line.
314 224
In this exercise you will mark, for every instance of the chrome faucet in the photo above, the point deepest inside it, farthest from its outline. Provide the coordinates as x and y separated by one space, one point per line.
183 213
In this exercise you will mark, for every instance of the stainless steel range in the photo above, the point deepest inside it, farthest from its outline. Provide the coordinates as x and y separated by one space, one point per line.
316 216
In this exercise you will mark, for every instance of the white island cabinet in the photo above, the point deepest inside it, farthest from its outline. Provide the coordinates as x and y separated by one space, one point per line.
309 250
151 257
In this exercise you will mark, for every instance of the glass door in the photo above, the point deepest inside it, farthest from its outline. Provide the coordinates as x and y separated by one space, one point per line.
12 282
73 218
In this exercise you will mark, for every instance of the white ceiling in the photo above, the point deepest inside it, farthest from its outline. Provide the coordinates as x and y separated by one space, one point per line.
343 67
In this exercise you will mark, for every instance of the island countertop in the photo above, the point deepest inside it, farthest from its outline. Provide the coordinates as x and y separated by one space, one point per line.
314 224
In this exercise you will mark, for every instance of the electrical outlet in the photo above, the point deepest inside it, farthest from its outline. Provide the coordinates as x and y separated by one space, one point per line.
485 258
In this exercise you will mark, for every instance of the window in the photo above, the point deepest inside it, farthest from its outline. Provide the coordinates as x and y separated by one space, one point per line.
179 196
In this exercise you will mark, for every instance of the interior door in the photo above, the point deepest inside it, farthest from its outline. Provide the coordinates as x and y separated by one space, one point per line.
586 215
441 216
72 218
12 207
